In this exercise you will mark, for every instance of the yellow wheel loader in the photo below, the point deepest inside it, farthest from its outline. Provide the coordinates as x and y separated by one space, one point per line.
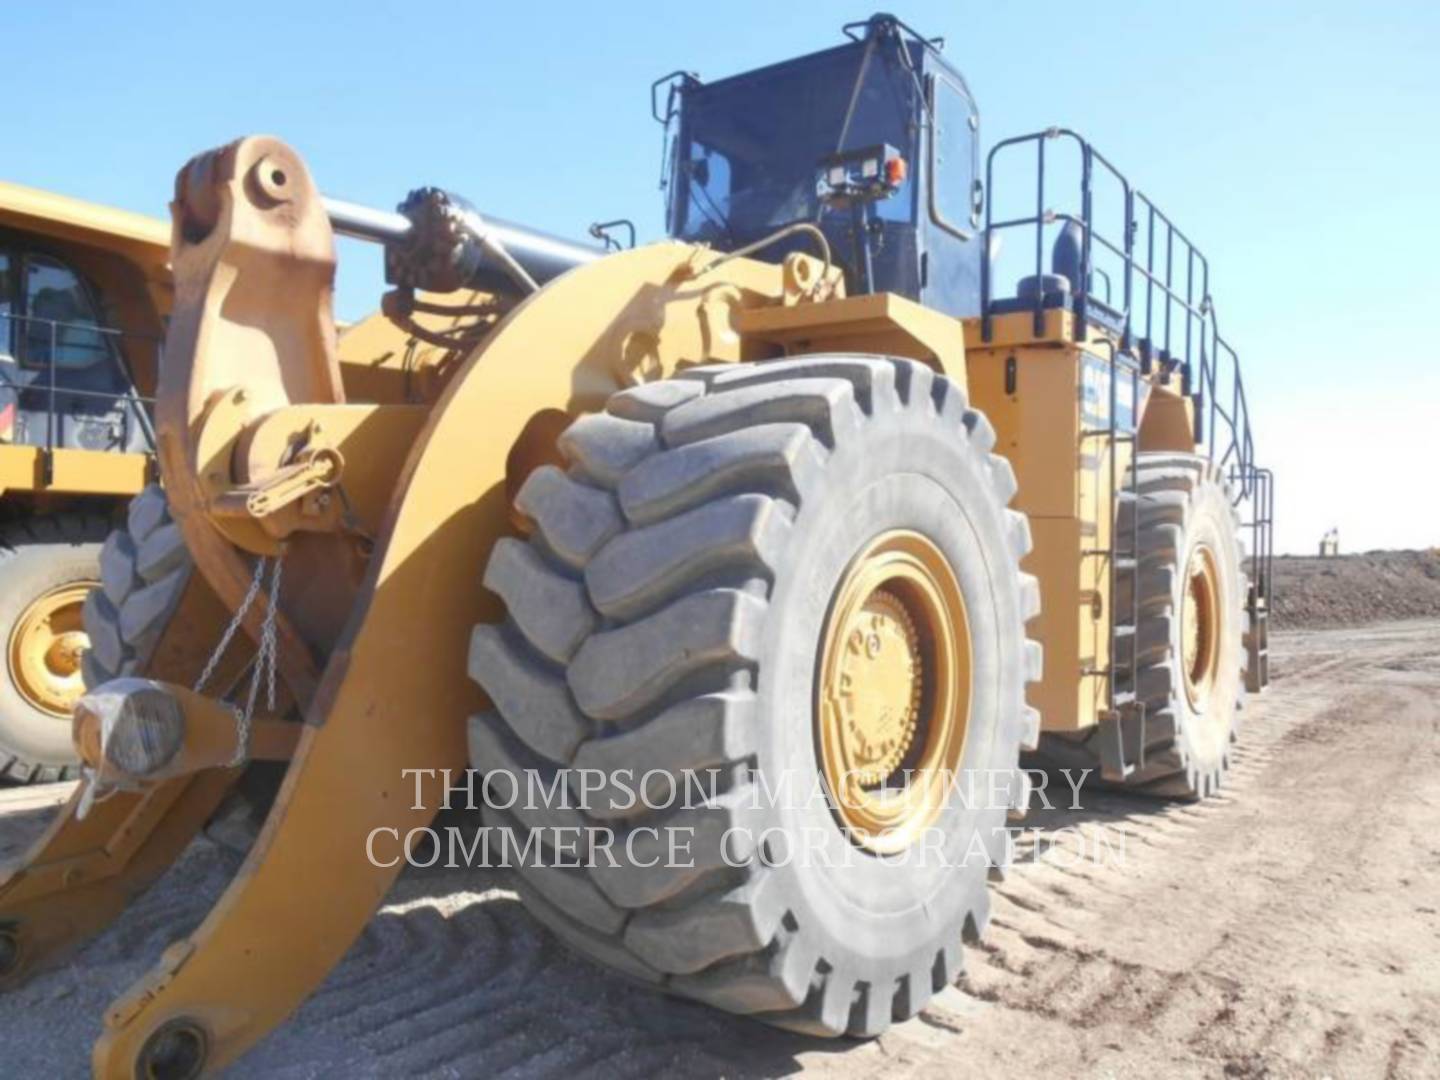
717 572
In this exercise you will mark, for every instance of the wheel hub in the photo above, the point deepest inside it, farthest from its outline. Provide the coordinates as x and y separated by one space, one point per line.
876 695
894 692
1200 627
45 649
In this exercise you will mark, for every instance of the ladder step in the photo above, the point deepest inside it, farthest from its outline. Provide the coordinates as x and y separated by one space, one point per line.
1124 630
1124 698
1113 766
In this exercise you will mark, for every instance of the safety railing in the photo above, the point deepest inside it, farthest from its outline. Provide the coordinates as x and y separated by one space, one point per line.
1166 313
35 380
1261 524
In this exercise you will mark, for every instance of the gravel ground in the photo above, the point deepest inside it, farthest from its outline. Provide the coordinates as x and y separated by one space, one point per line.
1287 928
1352 590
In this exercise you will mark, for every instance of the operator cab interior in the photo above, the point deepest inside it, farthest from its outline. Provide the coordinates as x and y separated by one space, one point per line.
58 357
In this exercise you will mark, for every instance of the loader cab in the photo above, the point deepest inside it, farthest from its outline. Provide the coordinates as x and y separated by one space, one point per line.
875 141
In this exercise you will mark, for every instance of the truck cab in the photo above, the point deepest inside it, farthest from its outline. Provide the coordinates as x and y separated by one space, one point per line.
83 291
64 377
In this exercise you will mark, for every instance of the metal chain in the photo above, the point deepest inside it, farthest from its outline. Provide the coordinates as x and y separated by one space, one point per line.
263 671
264 667
268 638
235 624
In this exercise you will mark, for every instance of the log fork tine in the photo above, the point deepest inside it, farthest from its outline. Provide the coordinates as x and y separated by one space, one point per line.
254 265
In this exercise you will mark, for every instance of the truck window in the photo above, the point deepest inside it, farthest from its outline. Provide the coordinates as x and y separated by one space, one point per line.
59 317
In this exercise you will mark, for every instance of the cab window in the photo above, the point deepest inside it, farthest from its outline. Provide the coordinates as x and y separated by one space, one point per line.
7 307
954 193
61 322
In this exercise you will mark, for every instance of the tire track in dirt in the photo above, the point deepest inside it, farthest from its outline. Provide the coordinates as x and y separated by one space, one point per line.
1281 929
1224 1008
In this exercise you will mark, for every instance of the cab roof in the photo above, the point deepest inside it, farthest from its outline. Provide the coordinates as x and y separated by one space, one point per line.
145 240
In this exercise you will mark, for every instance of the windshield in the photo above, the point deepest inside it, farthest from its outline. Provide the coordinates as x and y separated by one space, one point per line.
751 146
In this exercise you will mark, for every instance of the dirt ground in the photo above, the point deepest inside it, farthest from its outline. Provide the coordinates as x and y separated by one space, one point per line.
1376 586
1290 927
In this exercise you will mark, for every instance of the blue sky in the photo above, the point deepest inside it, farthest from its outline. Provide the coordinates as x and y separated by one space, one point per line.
1296 142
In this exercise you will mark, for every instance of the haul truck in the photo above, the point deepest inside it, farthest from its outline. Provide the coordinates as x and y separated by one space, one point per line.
82 292
85 291
798 499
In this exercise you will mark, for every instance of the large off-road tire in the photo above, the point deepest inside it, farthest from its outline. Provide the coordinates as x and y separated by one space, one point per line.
144 568
668 616
1189 641
47 565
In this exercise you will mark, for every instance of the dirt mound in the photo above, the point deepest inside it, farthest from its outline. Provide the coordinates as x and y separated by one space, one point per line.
1347 590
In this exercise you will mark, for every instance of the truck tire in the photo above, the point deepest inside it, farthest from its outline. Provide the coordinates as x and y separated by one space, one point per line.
144 568
47 566
732 553
1190 639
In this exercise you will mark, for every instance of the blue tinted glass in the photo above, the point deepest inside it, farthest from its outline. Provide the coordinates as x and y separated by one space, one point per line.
954 178
753 144
59 316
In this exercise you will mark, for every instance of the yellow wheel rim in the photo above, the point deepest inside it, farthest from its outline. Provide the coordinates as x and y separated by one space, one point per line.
45 649
893 700
1200 627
